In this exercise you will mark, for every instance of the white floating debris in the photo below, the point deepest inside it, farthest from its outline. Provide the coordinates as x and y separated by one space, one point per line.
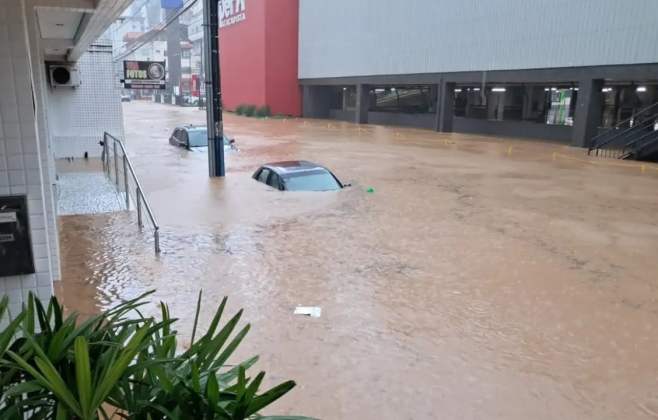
312 311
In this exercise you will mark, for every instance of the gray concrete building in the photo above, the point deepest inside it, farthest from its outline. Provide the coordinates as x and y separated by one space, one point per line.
561 70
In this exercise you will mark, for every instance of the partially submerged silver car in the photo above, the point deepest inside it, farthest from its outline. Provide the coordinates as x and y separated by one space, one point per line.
298 175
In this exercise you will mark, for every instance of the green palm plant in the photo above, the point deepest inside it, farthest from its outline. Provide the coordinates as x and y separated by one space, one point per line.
124 364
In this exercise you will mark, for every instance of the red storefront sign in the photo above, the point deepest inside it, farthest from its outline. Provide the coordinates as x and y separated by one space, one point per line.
195 90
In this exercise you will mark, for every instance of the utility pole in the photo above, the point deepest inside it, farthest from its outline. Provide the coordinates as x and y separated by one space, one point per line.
173 54
213 89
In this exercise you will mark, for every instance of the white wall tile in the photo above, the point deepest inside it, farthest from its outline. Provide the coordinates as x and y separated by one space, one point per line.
80 116
39 236
45 292
18 189
31 160
17 178
41 265
13 283
28 282
43 280
13 145
20 162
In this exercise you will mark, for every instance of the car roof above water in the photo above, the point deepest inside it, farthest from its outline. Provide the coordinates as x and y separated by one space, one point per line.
294 166
192 127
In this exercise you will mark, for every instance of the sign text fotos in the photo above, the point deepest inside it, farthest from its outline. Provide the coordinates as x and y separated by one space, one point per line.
144 74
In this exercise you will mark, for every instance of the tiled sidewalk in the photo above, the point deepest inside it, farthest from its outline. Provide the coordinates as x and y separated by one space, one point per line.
86 193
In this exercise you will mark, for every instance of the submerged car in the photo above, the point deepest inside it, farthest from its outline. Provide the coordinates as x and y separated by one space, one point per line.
191 136
298 175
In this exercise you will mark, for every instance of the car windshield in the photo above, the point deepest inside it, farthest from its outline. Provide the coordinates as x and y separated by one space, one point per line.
311 181
198 138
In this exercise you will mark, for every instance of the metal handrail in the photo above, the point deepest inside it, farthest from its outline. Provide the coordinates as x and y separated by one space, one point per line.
625 135
615 128
640 143
140 198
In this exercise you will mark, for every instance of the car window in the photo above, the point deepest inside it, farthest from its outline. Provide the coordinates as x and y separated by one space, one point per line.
312 181
198 138
176 134
275 181
264 174
183 137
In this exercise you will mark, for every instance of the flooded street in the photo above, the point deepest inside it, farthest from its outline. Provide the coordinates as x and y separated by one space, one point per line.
482 279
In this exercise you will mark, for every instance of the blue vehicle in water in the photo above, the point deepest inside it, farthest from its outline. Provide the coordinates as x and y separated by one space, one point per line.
194 136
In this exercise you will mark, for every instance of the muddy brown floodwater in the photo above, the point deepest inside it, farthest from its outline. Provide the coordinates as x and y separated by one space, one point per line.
482 279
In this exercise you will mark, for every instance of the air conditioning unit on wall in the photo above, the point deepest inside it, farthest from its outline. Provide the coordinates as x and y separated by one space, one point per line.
63 75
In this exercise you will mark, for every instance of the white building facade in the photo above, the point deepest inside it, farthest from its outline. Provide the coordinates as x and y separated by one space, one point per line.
34 33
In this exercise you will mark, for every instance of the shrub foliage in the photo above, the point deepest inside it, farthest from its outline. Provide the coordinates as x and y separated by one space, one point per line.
124 364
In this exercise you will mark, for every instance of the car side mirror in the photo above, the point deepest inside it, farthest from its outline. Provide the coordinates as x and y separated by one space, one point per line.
232 141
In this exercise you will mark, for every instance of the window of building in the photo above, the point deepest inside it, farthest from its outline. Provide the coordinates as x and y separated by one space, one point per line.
562 103
405 99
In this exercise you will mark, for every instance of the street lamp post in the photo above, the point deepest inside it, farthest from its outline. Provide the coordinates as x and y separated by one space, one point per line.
213 89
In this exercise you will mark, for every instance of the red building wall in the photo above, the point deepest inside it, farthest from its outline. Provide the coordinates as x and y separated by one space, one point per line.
281 41
258 57
242 58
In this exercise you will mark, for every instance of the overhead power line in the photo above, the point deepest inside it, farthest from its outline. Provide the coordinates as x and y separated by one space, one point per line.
150 36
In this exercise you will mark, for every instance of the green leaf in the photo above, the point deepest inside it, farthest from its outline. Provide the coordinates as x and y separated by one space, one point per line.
196 317
229 376
217 317
210 349
165 317
23 388
57 385
4 304
233 345
49 378
62 413
103 413
167 413
44 321
29 314
62 340
113 374
253 386
269 397
115 313
212 390
242 408
83 376
8 334
241 386
196 378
